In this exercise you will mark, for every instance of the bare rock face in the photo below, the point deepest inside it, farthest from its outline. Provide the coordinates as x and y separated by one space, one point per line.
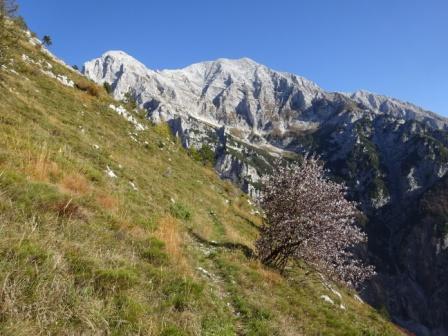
236 93
390 153
397 108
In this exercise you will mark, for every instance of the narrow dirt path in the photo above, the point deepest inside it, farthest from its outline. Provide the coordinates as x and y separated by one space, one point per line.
216 279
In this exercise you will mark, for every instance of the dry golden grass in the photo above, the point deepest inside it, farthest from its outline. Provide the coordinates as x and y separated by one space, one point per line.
89 87
168 231
107 201
235 235
75 183
40 167
136 232
288 327
204 230
268 275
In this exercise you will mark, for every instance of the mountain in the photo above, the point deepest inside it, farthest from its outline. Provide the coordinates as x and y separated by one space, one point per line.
236 93
108 226
388 152
397 108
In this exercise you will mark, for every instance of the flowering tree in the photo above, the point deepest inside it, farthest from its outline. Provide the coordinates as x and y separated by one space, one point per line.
308 218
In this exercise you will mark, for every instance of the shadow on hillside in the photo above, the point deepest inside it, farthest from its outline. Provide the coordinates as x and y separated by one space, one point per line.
247 251
248 221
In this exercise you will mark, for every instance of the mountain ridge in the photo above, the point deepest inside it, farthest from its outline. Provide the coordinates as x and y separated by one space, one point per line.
376 102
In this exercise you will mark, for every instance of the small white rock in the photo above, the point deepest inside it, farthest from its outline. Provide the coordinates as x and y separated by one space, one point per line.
110 172
336 293
326 298
204 271
358 298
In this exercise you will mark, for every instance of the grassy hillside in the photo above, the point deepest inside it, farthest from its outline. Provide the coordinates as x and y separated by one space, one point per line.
107 229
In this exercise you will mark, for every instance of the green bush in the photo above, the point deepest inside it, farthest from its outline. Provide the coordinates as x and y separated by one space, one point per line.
180 211
155 253
130 99
147 223
205 154
107 87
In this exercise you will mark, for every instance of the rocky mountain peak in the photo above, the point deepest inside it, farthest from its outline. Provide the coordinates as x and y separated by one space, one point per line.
238 93
396 108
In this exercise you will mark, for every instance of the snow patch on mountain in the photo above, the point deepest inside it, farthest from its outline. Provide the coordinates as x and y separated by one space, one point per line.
396 108
239 93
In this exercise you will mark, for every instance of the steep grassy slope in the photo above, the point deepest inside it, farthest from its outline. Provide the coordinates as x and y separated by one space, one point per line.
105 229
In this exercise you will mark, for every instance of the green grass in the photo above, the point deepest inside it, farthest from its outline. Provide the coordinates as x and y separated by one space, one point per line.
180 211
85 253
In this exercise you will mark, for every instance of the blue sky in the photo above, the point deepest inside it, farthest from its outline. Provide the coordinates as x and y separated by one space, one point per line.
394 47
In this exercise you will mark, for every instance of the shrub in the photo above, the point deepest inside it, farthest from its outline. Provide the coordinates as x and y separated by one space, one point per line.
194 154
47 41
308 218
205 154
155 253
89 87
107 87
147 223
180 211
93 174
76 183
130 99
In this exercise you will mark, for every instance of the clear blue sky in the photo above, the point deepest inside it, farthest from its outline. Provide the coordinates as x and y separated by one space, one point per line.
394 47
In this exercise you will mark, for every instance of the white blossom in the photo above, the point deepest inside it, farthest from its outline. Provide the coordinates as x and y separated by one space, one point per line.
308 218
